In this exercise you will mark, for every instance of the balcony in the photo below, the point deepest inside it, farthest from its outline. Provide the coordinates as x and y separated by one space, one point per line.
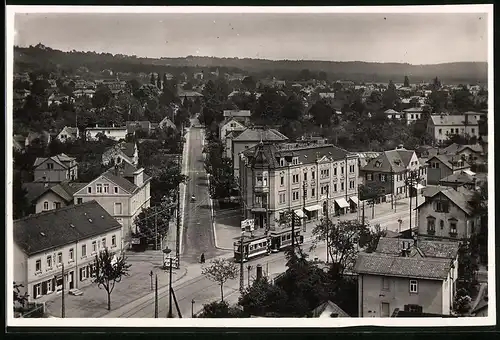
261 187
259 207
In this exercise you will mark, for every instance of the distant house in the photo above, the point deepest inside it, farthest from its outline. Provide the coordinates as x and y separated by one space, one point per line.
390 170
238 142
441 166
112 132
191 95
475 115
58 99
43 136
122 152
167 123
84 92
68 133
329 309
393 114
55 169
442 127
123 191
404 274
234 93
464 178
134 126
240 115
470 153
230 124
413 114
69 236
447 214
327 96
45 196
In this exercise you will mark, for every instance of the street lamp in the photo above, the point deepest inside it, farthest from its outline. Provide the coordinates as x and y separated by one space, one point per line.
192 308
168 251
151 275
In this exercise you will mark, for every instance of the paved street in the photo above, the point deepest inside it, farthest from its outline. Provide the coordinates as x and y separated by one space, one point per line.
201 290
198 236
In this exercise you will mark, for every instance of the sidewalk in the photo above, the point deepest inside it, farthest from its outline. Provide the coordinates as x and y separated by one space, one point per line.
227 222
93 302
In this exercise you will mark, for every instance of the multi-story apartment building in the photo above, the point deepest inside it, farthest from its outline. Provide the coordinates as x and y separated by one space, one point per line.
413 114
123 191
402 275
441 127
447 214
391 169
57 168
239 141
303 177
70 236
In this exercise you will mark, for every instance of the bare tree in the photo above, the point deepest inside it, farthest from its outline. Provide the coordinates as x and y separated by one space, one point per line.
220 271
109 270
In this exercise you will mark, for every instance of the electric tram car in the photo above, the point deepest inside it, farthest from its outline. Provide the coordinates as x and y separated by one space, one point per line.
260 245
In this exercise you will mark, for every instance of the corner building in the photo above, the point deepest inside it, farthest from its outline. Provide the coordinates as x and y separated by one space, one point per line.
304 177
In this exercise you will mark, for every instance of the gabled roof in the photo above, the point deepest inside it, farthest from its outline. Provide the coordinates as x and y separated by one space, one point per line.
238 120
427 248
457 148
237 113
330 308
36 189
260 134
452 120
119 175
128 149
459 178
166 122
71 130
99 128
448 160
459 198
59 159
391 112
414 109
65 190
390 161
186 93
132 126
56 228
411 267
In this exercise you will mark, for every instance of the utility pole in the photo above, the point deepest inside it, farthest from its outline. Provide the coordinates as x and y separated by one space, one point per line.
249 268
410 182
170 315
304 194
63 309
151 276
292 213
242 279
327 221
192 308
178 222
156 233
156 296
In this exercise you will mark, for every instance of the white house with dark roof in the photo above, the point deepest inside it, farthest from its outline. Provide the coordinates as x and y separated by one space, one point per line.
393 114
447 214
57 168
121 152
112 132
407 275
441 127
69 236
167 123
123 191
230 124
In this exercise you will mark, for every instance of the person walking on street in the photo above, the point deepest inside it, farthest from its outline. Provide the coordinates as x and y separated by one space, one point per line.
202 259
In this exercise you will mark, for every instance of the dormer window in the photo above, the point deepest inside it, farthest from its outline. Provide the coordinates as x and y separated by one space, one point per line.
378 164
282 162
295 160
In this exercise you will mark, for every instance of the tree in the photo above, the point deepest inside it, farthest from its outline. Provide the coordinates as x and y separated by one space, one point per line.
406 82
220 271
165 181
262 298
467 263
249 83
370 192
102 96
293 108
462 302
19 298
462 100
21 205
343 239
133 85
145 221
109 270
390 96
152 80
219 309
479 205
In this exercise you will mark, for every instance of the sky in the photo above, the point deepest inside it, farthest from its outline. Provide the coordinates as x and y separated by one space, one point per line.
390 37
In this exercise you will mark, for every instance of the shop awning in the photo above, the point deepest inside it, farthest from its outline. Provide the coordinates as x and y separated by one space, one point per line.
300 213
314 208
354 199
418 186
342 202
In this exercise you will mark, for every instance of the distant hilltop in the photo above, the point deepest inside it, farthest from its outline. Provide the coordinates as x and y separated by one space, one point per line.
466 72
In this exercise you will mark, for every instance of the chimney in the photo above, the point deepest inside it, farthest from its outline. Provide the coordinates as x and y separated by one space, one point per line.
259 272
139 177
